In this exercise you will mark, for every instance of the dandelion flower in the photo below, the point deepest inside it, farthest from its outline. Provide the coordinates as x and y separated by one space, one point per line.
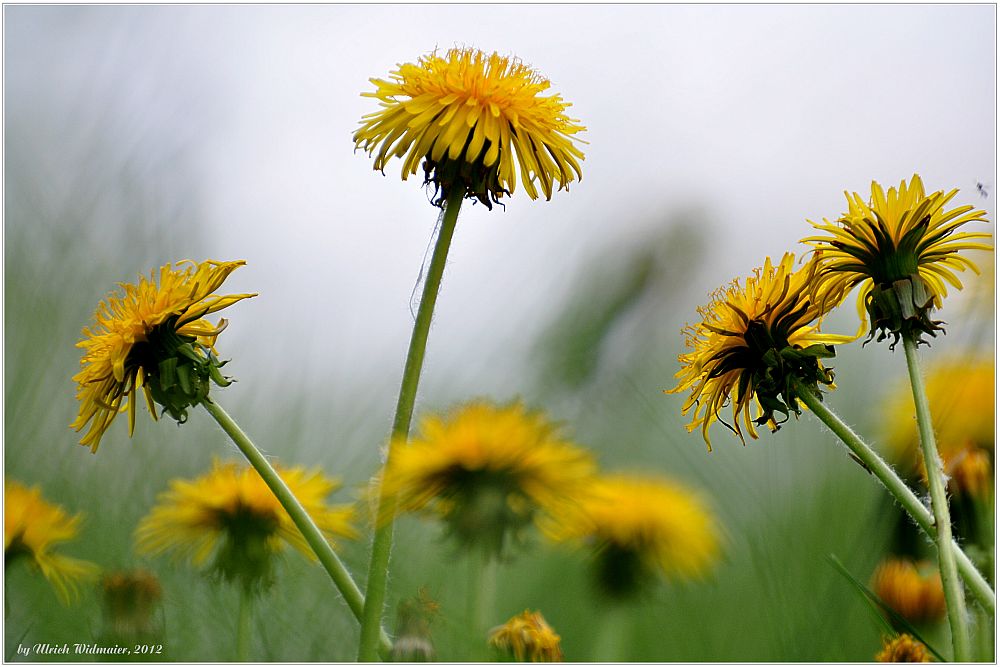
639 526
471 117
528 637
754 341
152 336
903 648
32 528
487 470
130 598
230 516
901 247
913 590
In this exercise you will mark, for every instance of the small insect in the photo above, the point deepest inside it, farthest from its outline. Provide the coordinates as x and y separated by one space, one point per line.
983 190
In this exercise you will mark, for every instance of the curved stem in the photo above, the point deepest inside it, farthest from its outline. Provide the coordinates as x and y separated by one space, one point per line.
378 567
314 537
954 594
899 490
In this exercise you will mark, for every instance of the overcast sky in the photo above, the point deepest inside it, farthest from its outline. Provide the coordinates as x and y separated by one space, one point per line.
756 116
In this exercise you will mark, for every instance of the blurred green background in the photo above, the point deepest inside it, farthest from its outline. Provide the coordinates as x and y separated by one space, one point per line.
106 180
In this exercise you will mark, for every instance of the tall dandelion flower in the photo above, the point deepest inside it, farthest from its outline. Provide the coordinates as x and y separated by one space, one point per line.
475 120
755 341
488 471
32 529
230 517
901 247
153 336
639 526
528 638
130 600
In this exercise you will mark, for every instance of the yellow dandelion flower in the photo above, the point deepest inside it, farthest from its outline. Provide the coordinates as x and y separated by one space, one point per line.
471 117
639 525
528 637
232 517
754 339
961 393
913 590
152 336
903 648
32 528
902 247
971 472
487 470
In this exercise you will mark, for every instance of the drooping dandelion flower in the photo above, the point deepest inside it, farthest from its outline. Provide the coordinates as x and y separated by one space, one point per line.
32 530
901 247
153 336
902 648
413 641
754 341
913 590
475 120
488 471
528 638
638 527
230 517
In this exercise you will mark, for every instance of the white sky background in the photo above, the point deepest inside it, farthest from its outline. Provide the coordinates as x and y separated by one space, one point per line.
759 115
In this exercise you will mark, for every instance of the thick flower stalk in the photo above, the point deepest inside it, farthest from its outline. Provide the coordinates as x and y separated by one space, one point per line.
754 338
639 527
902 247
475 120
33 528
488 472
153 337
229 520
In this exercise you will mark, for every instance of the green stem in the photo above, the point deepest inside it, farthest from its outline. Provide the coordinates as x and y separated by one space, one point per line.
482 600
314 537
954 594
899 490
378 568
612 633
243 625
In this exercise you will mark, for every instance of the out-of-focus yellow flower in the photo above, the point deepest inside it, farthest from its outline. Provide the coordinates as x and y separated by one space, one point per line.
903 648
638 526
130 598
32 528
231 516
152 336
487 471
474 119
528 637
901 247
961 395
913 590
754 340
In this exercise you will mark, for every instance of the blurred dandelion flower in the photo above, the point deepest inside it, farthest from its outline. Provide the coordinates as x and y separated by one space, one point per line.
153 336
467 115
487 471
528 637
32 528
903 648
961 393
913 590
754 341
639 526
231 516
901 247
130 598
